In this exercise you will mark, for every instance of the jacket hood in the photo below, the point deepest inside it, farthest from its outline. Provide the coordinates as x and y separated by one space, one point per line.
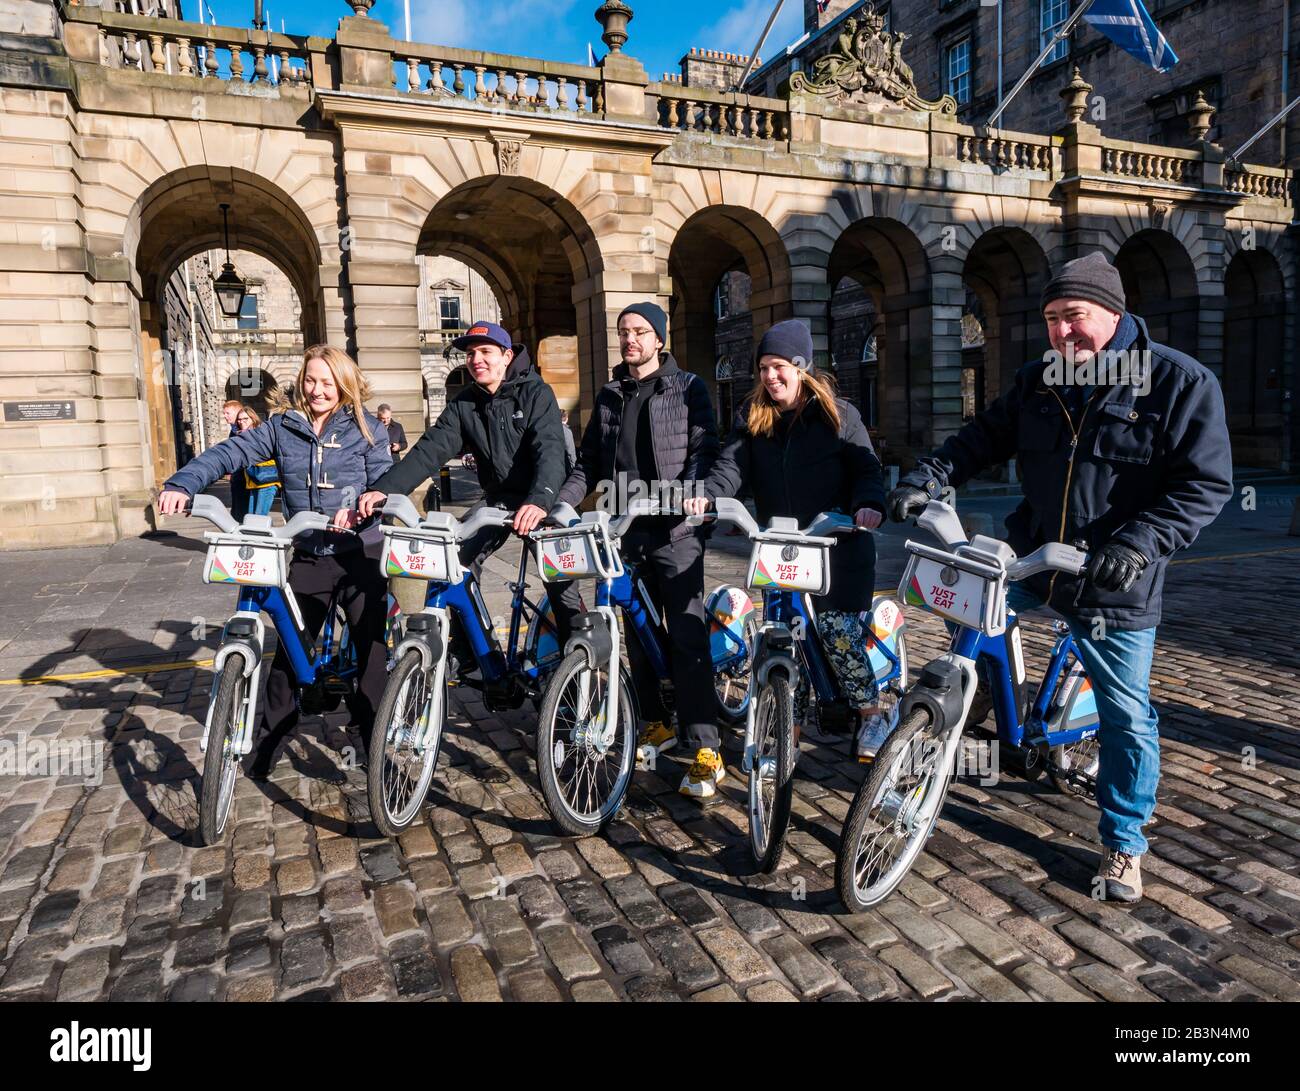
667 366
519 371
521 366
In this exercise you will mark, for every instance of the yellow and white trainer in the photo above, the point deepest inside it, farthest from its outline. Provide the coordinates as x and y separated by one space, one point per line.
702 777
655 738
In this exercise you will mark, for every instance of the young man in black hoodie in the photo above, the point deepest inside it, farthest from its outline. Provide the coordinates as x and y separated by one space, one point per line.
510 422
653 424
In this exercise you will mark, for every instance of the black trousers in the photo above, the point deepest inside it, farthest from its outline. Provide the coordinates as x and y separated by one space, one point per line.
363 591
673 573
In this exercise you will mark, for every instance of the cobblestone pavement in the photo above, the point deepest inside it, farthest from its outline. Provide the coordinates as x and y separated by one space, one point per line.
103 893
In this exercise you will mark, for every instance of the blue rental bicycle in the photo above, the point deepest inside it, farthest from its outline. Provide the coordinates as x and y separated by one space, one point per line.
254 556
788 565
409 720
965 583
587 724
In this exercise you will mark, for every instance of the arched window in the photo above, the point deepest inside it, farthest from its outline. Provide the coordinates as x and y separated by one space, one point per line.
724 375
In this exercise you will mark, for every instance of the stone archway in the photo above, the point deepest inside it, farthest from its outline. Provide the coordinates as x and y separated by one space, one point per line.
1160 287
179 216
1006 270
714 243
541 261
1254 333
888 263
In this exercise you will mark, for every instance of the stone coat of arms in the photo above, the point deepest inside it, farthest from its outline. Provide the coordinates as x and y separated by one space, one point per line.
867 59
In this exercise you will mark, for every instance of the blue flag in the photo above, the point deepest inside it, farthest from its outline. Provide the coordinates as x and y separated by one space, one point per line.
1128 24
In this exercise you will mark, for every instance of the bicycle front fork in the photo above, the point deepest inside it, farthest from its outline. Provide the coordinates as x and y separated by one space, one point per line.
774 651
428 635
243 638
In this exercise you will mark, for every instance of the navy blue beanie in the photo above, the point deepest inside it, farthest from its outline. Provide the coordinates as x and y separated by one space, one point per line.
791 340
652 313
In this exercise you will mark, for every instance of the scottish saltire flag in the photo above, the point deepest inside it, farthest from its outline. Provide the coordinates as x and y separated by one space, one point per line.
1128 24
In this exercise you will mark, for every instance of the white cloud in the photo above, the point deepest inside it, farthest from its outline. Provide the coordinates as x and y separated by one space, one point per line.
441 22
738 29
490 25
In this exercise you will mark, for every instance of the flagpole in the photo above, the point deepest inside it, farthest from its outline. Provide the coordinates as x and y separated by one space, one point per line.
753 56
1066 27
1276 118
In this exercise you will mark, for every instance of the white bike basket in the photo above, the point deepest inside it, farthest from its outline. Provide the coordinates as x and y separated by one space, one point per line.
233 558
956 587
790 566
571 553
421 554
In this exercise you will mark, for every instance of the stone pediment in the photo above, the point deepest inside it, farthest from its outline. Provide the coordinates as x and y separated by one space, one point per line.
865 64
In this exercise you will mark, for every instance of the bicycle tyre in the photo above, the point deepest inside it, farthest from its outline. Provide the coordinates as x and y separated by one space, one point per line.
572 820
383 771
767 838
867 807
220 762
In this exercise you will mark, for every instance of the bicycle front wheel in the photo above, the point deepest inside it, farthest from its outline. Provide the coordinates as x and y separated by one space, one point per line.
220 762
892 815
771 777
400 772
584 762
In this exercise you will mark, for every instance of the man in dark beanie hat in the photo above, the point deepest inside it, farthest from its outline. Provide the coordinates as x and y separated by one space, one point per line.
1122 444
652 426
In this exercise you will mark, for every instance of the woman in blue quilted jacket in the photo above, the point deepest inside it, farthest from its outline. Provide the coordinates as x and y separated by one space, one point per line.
327 451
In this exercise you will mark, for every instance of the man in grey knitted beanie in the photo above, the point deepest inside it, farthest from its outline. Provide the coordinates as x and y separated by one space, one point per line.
1133 473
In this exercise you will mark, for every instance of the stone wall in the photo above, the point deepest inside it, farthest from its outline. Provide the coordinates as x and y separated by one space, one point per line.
1229 48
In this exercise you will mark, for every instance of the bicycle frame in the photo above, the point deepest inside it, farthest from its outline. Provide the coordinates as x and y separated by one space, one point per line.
308 667
794 612
465 601
1002 655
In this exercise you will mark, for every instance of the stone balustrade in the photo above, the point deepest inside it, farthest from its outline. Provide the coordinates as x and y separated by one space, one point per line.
1006 151
700 109
1151 163
497 81
180 48
1266 183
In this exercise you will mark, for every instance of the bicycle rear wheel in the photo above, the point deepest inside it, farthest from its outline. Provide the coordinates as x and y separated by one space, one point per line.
584 771
892 815
1073 768
399 774
771 778
220 762
733 684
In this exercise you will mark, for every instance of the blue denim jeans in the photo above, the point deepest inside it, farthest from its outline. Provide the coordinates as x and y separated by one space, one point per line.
1129 745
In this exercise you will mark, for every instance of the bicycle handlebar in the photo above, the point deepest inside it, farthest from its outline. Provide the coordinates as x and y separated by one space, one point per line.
485 517
401 508
1054 556
731 510
216 513
941 520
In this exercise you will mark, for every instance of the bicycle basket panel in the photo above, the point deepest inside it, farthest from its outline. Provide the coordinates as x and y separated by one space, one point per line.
785 566
242 562
420 555
954 594
569 556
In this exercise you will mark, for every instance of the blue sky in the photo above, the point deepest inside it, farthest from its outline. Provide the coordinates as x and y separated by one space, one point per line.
660 31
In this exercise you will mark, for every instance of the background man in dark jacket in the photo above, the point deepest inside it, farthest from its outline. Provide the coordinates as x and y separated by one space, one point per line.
396 433
1135 465
653 423
510 422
